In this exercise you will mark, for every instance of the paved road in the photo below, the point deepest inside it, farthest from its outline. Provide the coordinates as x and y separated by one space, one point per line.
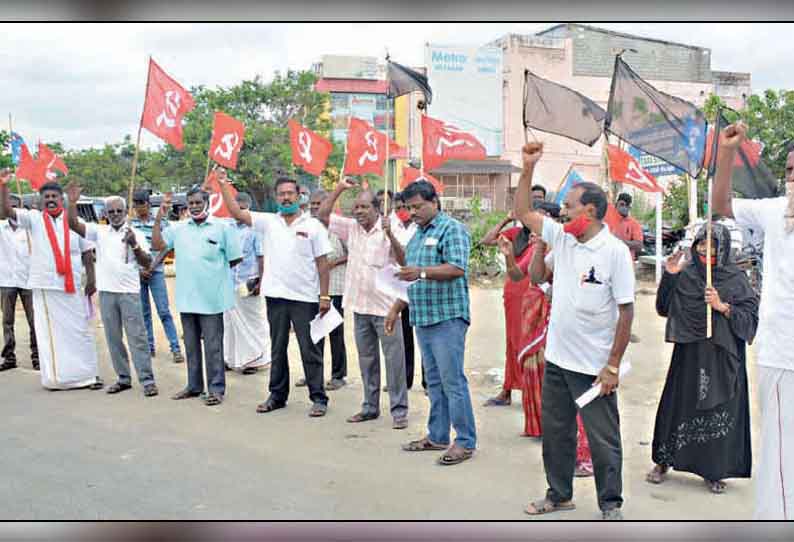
87 455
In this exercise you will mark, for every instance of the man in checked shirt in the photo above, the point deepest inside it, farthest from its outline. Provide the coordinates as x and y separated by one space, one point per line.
437 259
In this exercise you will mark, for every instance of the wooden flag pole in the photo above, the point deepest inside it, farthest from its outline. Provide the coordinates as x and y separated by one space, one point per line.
709 228
138 142
19 186
388 141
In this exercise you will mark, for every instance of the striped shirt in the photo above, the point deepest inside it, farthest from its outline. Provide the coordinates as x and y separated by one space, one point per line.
443 240
336 276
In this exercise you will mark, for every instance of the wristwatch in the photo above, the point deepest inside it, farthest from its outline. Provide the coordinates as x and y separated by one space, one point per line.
325 298
423 274
613 370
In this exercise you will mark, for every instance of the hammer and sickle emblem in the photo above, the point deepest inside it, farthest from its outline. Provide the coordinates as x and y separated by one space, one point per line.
371 154
49 173
451 142
229 142
216 200
305 144
168 116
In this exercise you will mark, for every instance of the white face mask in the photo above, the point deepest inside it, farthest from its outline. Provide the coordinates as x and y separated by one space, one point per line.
789 217
204 213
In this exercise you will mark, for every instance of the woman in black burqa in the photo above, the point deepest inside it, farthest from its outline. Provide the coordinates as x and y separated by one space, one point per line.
703 421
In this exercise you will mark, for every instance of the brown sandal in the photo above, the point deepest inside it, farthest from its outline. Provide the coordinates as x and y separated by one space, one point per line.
423 445
545 506
361 417
454 455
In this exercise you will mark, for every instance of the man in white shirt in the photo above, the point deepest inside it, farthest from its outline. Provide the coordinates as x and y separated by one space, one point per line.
774 218
121 253
15 253
295 276
588 334
67 351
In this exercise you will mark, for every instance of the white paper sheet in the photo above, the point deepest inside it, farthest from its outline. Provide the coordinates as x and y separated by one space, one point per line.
320 327
387 283
591 394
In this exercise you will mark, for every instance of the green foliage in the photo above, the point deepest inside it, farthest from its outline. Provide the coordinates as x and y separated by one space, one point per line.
483 259
5 153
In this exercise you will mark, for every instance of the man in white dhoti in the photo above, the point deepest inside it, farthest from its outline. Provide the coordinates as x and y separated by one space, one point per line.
774 217
246 338
67 351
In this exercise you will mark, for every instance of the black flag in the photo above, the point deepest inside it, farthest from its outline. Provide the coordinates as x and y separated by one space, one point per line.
667 127
554 108
404 80
751 178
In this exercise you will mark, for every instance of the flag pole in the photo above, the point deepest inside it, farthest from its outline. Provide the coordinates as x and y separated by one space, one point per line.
709 213
19 185
138 141
388 139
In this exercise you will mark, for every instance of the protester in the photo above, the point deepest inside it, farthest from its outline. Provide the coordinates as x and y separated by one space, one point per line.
120 251
775 347
337 269
404 228
153 281
372 246
205 251
296 275
627 229
246 335
538 193
437 259
703 420
589 330
14 251
67 351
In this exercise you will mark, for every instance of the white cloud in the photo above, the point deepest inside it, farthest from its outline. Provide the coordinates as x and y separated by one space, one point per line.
83 84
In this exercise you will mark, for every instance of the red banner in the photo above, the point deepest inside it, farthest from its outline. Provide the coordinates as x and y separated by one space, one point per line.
366 149
217 206
442 142
227 140
411 174
165 106
309 150
623 168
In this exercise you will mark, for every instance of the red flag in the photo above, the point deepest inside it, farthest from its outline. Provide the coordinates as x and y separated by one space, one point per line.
217 206
366 149
623 168
166 103
227 140
442 142
48 163
27 168
612 218
309 150
410 174
396 151
751 148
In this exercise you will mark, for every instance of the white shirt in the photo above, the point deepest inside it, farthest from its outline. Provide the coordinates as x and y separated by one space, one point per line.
402 233
775 337
14 255
590 280
116 267
42 274
290 253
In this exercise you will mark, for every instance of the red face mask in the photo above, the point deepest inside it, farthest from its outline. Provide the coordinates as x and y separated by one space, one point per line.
577 226
703 259
56 211
404 215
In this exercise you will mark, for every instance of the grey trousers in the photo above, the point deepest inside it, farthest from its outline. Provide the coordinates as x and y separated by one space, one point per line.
561 387
370 336
8 301
122 314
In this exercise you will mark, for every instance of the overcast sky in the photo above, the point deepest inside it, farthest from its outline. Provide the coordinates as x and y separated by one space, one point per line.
83 84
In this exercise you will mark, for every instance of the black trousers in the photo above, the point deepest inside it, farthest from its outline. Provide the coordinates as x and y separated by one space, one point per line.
338 350
208 327
561 388
408 341
280 314
8 300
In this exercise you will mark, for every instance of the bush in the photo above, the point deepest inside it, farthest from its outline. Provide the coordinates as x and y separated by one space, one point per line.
483 260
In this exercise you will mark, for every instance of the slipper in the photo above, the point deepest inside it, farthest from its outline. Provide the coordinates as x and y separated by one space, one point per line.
213 399
317 410
423 445
453 458
150 390
185 394
716 486
495 401
269 406
118 387
545 506
656 475
361 417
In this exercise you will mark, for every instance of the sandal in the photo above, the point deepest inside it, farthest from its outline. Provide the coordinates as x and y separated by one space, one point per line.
545 506
716 486
657 475
453 457
361 417
269 406
497 401
185 394
317 410
118 386
423 445
150 390
98 385
249 370
213 399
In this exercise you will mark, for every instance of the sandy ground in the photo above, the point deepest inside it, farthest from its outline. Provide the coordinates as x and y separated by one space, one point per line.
87 455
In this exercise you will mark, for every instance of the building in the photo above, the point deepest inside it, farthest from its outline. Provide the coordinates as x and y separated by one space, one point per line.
582 57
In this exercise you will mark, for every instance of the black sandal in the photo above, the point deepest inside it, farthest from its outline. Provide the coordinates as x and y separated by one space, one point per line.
118 387
213 399
269 406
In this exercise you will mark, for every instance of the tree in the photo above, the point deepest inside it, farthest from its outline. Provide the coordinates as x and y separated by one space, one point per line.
5 153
